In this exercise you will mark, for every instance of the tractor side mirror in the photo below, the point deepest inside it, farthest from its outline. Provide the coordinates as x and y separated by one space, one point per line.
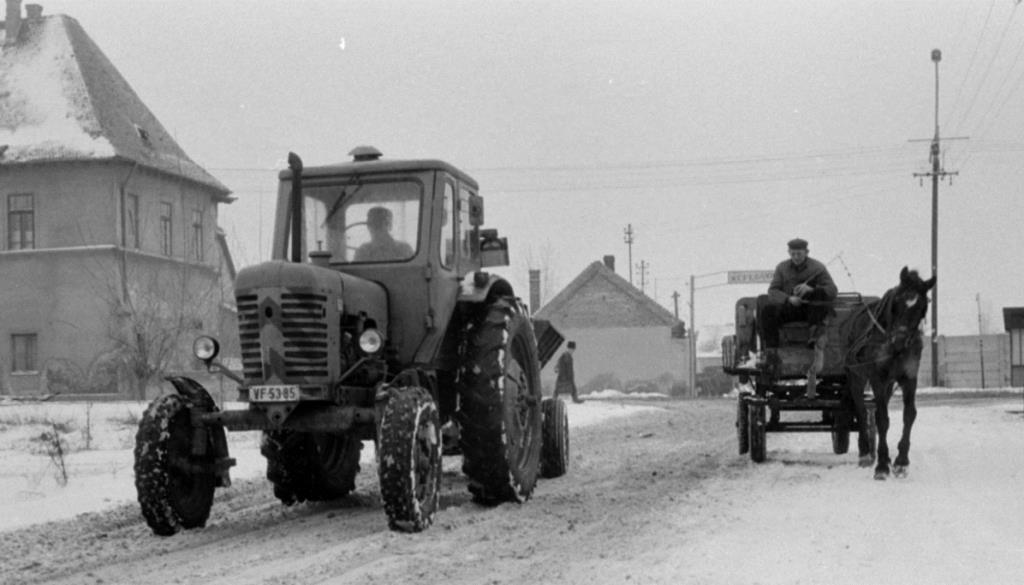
493 250
476 210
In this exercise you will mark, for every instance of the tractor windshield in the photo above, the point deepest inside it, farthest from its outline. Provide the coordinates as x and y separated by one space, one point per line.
363 220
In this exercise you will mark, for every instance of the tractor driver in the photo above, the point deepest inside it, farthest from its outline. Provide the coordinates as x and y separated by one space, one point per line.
382 246
801 290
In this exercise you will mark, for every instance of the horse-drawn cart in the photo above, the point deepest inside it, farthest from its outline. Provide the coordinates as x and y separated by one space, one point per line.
775 382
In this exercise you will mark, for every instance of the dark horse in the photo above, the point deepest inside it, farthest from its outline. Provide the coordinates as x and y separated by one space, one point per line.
883 340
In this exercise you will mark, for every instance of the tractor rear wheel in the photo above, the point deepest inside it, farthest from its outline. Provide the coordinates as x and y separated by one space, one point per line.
500 417
554 461
311 466
409 459
175 487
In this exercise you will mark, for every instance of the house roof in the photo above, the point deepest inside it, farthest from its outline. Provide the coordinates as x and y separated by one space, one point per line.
61 99
599 297
1013 318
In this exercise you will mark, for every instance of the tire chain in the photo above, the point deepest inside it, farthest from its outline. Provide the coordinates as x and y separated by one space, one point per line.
398 433
152 480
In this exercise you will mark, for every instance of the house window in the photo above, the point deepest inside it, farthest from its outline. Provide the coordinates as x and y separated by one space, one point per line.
166 229
24 349
131 221
197 235
21 233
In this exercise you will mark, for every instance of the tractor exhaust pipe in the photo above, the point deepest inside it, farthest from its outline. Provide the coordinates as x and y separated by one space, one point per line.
295 164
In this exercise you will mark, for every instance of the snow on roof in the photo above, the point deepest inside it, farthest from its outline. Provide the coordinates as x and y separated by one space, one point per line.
598 270
61 99
45 111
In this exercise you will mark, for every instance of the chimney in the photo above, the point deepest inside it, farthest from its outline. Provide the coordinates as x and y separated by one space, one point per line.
33 11
13 23
609 261
534 290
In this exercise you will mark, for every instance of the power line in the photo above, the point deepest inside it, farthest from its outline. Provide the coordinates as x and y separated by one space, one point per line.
648 165
974 55
988 69
695 182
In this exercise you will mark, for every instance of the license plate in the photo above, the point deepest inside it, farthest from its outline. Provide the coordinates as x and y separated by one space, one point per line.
275 393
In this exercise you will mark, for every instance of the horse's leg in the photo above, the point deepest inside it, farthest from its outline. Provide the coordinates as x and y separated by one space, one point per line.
881 389
909 387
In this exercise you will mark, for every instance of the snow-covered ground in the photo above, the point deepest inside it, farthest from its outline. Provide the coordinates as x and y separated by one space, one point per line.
656 494
99 438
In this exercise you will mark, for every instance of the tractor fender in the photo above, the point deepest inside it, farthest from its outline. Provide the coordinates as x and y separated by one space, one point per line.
192 391
200 403
477 287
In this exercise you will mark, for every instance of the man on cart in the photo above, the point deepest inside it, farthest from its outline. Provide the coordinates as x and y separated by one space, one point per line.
801 290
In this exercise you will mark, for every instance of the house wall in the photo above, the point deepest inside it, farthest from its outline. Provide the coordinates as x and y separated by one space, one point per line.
75 204
51 300
65 289
629 354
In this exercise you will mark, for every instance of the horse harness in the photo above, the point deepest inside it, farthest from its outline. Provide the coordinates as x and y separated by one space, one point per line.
884 309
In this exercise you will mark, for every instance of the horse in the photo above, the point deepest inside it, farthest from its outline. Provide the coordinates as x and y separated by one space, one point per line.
883 341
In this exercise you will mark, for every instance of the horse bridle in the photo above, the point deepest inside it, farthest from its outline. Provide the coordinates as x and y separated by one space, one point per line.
884 305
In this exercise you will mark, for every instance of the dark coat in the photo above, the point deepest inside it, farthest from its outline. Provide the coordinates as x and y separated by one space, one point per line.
564 369
811 272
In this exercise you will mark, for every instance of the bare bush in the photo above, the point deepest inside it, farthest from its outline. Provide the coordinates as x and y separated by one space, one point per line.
56 446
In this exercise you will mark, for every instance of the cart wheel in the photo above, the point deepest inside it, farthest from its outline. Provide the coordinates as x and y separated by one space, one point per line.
757 432
742 430
841 433
841 442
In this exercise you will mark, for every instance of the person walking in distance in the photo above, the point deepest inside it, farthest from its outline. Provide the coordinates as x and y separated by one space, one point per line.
566 382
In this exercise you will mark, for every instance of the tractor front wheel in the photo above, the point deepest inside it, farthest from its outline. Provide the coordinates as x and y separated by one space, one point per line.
175 487
409 459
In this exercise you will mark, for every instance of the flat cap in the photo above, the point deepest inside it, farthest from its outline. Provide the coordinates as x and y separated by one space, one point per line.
798 244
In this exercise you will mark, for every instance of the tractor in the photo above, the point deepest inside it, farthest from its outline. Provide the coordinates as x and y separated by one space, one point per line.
374 320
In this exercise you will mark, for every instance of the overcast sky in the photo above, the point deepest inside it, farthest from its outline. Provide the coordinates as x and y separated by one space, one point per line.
717 129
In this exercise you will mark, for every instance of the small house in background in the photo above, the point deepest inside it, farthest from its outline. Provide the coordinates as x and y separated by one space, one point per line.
1013 319
109 246
624 339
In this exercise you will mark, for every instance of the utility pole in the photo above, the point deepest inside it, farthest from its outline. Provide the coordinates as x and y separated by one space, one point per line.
936 173
642 267
628 238
692 382
981 341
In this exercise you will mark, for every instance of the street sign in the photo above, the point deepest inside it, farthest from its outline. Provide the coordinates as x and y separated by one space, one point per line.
749 276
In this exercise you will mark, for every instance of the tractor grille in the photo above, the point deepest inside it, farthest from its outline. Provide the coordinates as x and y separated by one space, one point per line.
297 342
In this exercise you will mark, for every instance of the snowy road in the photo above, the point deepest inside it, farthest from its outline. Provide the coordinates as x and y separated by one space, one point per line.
658 496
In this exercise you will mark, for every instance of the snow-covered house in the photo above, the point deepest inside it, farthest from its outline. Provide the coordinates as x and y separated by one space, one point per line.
110 252
625 340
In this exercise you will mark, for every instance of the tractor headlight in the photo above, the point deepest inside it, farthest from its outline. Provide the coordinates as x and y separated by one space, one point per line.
205 348
371 341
